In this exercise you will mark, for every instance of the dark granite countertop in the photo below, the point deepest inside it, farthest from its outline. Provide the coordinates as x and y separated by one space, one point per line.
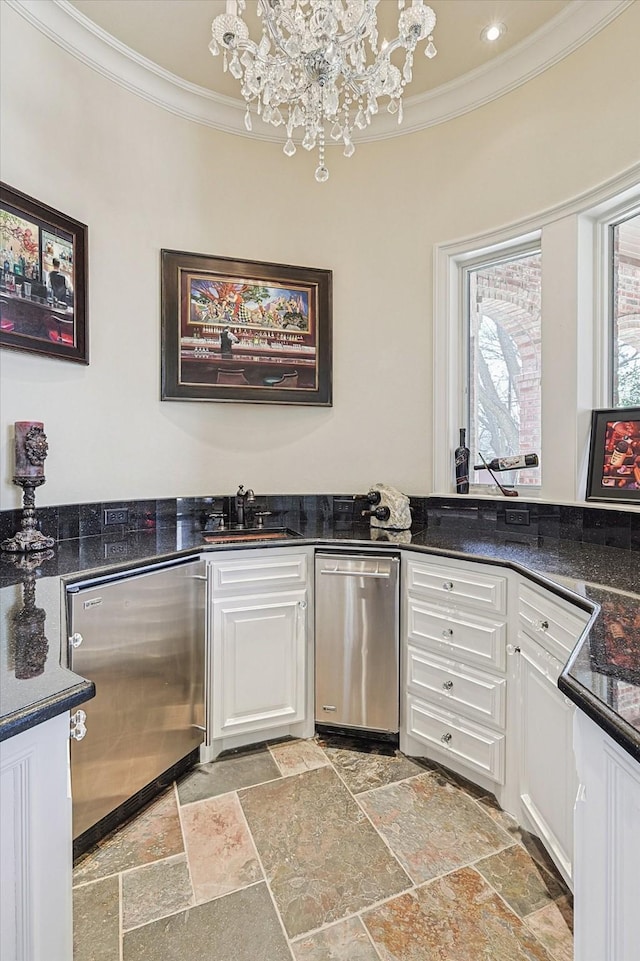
602 676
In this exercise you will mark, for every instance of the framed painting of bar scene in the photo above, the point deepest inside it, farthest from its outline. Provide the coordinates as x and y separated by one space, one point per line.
245 331
43 270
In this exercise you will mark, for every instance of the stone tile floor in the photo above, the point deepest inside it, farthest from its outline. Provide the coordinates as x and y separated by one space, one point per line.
323 850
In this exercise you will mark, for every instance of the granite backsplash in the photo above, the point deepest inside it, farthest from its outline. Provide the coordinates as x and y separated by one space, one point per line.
326 512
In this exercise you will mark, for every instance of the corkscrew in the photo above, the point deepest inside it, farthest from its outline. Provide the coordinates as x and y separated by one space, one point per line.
505 491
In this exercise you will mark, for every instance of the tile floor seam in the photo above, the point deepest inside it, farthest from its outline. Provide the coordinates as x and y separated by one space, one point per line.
184 842
511 910
380 835
352 914
120 919
190 907
552 955
139 867
265 878
249 787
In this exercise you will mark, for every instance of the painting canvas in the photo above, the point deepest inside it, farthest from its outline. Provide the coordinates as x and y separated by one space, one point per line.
42 280
245 331
614 461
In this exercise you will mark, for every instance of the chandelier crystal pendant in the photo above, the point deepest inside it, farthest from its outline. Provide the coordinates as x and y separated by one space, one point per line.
319 66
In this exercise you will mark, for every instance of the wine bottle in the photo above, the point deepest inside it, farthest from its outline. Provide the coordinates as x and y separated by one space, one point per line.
517 462
461 457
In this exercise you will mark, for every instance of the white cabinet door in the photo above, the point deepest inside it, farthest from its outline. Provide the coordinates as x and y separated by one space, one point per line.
35 840
259 648
547 780
607 889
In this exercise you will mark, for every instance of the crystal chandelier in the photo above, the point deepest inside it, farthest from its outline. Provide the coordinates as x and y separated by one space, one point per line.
318 65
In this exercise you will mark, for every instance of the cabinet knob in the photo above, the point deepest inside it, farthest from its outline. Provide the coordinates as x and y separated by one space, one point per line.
447 586
512 650
544 625
448 632
302 605
78 727
76 640
446 738
447 685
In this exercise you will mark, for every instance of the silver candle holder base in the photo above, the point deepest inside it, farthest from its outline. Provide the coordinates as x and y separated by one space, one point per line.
28 538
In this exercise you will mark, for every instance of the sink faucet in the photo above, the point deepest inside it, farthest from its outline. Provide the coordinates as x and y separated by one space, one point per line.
242 500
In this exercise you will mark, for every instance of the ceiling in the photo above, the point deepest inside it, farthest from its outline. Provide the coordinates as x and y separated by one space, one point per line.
175 35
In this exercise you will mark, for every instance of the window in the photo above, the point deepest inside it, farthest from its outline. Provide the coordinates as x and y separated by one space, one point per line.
503 325
625 311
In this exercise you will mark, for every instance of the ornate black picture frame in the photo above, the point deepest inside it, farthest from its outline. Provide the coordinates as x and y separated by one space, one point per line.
43 279
245 331
614 455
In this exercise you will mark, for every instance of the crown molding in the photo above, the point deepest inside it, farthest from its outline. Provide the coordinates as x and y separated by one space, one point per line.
63 23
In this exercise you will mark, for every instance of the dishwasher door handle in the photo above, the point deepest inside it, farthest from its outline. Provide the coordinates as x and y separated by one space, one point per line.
359 573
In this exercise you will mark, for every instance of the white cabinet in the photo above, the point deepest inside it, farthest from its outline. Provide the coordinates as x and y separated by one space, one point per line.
607 855
545 772
454 656
547 781
35 840
258 662
260 648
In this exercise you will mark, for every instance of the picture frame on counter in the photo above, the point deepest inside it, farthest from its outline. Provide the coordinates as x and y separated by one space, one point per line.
245 331
614 455
43 279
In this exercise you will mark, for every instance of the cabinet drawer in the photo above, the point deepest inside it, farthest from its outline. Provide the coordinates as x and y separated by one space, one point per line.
460 585
470 638
554 624
479 748
456 687
259 573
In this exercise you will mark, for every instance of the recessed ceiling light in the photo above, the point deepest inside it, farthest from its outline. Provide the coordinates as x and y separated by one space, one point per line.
493 32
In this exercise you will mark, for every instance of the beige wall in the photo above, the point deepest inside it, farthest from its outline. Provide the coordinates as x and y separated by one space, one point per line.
143 179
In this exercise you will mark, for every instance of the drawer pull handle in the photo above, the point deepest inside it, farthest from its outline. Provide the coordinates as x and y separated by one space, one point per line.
447 586
447 685
76 639
446 738
448 632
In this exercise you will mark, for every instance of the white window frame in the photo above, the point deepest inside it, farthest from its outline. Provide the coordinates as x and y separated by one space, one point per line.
583 222
511 251
604 217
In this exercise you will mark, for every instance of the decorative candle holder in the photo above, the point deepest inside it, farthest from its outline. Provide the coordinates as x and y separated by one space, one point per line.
31 450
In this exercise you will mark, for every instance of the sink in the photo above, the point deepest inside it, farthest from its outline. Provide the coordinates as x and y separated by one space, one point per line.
249 534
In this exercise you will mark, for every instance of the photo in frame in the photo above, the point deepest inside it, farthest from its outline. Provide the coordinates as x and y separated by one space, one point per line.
614 455
43 271
245 331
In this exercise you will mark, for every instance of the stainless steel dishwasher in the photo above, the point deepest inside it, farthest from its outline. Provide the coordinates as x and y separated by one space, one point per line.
357 641
141 638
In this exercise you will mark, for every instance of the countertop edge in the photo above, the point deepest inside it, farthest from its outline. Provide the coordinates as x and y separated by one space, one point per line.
33 714
83 690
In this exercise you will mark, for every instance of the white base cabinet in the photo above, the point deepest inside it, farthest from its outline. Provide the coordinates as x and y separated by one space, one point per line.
607 848
260 648
35 843
483 650
547 780
259 659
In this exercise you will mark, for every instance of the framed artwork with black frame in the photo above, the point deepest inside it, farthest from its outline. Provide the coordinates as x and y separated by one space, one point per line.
245 331
43 279
614 455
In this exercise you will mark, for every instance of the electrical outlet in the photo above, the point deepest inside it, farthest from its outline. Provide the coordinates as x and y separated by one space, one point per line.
116 515
116 549
519 517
